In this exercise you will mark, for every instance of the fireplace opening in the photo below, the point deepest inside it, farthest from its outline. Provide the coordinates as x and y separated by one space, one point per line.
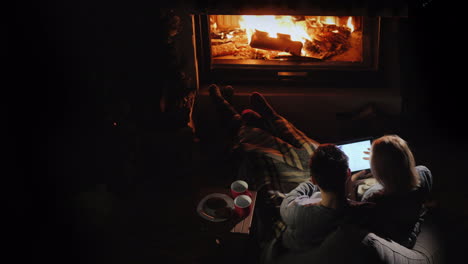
304 48
244 39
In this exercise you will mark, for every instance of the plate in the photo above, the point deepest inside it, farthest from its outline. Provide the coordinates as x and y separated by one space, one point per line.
208 214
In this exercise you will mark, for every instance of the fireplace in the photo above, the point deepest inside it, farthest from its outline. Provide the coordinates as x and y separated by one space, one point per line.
329 60
276 40
312 49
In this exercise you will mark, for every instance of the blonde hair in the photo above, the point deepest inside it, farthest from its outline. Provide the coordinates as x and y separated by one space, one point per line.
393 165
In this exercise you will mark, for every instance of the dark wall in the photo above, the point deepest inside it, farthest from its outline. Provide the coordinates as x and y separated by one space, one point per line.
435 113
430 78
76 68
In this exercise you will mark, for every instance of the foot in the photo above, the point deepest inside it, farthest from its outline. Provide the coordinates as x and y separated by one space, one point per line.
215 93
223 106
227 92
260 104
252 118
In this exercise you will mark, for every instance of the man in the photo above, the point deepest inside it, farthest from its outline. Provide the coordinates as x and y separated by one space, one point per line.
278 157
315 208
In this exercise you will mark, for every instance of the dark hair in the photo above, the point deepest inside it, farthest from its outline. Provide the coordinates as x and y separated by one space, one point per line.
329 167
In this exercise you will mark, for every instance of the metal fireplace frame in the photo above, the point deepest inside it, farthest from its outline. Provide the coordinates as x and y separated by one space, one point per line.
310 73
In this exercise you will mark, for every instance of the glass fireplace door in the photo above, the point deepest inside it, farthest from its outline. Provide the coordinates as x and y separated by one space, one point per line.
252 39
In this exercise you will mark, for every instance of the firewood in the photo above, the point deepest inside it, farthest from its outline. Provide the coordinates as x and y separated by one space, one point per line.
261 40
223 49
329 40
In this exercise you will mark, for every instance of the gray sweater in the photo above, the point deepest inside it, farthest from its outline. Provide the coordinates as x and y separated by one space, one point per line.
308 222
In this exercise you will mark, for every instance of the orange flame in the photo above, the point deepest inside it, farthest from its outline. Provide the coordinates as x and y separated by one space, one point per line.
350 24
298 30
329 20
274 25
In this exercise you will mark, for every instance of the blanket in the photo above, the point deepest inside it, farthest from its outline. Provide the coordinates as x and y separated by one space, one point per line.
276 157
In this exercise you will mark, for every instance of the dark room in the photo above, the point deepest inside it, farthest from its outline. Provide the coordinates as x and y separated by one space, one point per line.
235 131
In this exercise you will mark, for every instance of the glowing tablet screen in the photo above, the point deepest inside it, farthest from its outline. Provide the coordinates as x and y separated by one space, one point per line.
356 155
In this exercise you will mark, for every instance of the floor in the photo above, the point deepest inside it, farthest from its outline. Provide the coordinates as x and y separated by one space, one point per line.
150 217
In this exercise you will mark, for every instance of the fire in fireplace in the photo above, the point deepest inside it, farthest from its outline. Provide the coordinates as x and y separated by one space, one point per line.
251 47
283 38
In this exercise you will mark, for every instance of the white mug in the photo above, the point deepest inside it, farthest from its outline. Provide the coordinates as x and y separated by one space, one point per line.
242 205
239 187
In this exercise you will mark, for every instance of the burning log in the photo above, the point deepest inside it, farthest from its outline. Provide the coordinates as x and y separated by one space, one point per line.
261 40
223 49
328 41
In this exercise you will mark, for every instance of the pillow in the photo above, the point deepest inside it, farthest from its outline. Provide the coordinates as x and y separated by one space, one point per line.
427 250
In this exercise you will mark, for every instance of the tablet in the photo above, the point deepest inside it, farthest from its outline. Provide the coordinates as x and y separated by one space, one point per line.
355 149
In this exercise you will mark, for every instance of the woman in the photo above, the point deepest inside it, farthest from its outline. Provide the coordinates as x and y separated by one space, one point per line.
400 192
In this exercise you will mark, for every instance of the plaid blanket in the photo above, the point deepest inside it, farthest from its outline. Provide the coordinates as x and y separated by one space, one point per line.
276 160
276 157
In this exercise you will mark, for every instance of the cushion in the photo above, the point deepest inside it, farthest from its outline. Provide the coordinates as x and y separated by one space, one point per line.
342 246
427 250
350 245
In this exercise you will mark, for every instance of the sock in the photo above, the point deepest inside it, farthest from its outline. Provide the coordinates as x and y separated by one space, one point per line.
260 104
252 118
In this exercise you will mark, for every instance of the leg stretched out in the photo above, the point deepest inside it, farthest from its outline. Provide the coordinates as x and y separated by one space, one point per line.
279 126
